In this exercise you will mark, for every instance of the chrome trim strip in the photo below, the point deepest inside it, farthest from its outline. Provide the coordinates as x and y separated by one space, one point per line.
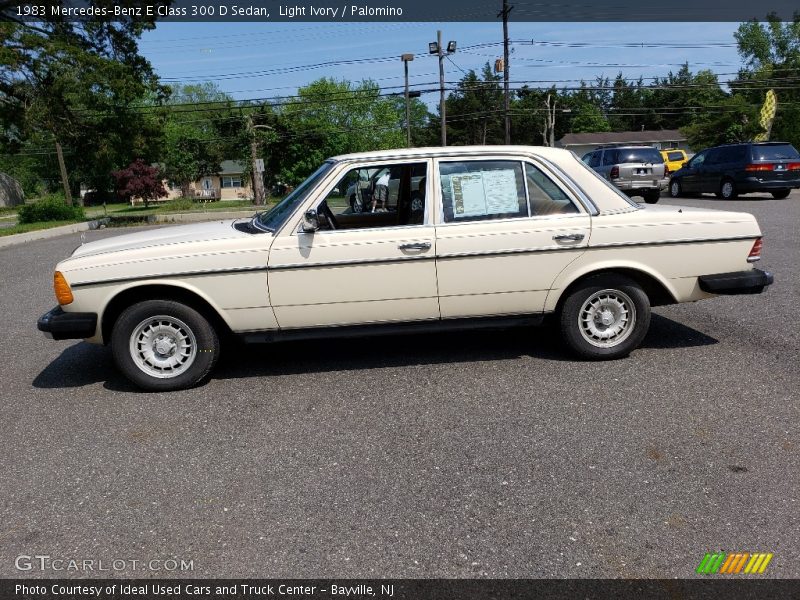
349 263
167 275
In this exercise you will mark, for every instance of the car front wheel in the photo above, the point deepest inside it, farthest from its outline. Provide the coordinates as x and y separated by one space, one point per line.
605 317
675 190
162 345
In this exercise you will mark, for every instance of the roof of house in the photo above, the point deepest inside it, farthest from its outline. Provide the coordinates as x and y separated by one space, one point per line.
622 137
231 167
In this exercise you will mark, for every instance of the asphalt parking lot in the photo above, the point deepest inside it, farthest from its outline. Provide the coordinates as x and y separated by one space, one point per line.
489 454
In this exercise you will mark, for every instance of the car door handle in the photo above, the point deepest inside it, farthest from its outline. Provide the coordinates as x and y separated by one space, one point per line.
415 246
569 237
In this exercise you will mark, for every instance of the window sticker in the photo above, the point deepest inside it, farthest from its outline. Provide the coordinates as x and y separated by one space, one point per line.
484 193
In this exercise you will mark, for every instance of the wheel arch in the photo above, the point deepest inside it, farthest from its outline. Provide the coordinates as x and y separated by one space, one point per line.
160 291
658 291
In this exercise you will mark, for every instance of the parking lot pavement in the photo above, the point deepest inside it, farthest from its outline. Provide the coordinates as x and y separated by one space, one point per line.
459 455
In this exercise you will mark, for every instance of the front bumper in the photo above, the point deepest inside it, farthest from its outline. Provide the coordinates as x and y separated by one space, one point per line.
741 282
60 325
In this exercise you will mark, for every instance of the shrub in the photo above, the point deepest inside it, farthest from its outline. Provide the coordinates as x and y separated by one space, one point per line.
50 208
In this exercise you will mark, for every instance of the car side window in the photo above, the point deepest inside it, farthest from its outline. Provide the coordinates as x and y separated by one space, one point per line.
376 196
545 197
713 157
698 159
482 190
610 157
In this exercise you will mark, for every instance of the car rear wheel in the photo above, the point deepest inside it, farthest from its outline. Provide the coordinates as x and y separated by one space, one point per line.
162 345
605 317
780 194
727 190
675 190
652 197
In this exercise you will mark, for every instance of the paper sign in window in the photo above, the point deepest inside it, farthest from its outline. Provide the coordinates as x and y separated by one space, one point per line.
484 193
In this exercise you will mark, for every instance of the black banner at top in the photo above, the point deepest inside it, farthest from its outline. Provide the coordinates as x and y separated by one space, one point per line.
396 10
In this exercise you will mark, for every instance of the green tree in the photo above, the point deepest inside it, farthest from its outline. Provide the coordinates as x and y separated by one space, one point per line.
771 51
475 109
330 117
76 85
588 119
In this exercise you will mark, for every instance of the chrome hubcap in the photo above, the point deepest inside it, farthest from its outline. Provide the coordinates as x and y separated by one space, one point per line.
607 318
163 346
675 189
727 189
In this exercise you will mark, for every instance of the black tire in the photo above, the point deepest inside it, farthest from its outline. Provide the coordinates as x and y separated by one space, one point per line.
780 194
146 324
727 190
625 301
356 204
675 189
652 197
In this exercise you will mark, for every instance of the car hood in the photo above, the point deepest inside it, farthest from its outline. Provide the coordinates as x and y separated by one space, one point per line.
165 236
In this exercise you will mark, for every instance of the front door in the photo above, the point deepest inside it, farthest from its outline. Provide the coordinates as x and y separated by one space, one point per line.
374 263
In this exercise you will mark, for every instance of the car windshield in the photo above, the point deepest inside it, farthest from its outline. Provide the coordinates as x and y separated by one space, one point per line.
774 152
639 155
272 219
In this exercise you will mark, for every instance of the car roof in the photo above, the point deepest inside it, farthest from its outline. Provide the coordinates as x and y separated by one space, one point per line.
436 151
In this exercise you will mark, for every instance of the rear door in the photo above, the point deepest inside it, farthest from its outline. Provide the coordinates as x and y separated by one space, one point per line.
711 171
496 253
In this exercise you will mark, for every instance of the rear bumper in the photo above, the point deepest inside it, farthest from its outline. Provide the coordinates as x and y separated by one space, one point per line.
627 185
741 282
755 184
60 325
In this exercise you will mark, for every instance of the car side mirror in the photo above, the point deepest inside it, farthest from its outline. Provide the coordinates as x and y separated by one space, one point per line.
310 222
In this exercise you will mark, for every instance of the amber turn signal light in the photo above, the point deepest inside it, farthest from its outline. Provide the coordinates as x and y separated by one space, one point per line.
61 288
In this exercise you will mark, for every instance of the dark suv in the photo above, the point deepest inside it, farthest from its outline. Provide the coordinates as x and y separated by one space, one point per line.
734 169
635 170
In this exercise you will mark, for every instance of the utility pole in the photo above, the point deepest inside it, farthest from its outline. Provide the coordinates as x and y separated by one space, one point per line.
63 168
406 58
442 105
258 181
506 67
437 48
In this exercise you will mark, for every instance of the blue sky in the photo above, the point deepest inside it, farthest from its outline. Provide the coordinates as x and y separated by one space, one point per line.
259 60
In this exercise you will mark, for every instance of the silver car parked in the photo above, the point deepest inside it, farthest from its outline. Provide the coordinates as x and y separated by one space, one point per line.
635 170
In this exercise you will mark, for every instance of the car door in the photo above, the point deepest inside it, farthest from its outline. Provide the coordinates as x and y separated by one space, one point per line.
373 266
690 179
711 171
496 252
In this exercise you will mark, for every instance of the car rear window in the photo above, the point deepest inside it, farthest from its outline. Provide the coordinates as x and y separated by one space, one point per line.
774 152
675 155
639 155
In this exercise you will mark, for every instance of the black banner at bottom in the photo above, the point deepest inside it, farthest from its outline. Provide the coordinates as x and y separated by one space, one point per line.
410 589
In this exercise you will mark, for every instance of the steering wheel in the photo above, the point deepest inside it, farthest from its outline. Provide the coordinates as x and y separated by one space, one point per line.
326 210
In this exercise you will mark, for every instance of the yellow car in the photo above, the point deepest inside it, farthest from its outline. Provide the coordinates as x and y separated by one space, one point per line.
674 158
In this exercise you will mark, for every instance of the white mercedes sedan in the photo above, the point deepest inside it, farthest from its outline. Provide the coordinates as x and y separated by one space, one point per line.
444 238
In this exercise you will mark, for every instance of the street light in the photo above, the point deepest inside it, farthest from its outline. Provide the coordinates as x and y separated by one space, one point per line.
436 48
407 58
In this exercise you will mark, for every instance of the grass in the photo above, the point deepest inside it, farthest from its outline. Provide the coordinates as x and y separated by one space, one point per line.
33 227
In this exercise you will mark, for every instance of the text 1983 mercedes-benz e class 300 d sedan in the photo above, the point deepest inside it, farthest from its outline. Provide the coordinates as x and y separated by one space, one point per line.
441 237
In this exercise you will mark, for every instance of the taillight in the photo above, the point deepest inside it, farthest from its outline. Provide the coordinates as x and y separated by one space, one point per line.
614 174
760 167
755 252
793 167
